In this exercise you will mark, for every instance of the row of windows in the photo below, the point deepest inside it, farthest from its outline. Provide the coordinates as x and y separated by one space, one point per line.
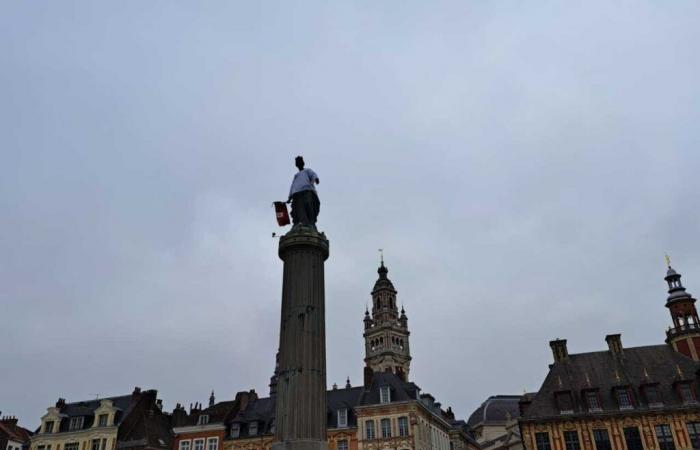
198 444
76 423
385 428
625 400
633 439
95 444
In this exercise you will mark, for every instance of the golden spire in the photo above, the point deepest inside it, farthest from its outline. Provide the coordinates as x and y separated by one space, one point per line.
668 260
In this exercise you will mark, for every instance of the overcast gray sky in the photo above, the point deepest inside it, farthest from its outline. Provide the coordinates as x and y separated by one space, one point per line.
525 166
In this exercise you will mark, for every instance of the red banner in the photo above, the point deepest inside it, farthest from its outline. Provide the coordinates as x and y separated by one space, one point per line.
282 214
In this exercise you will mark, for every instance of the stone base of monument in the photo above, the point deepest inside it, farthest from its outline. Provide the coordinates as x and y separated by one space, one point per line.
300 445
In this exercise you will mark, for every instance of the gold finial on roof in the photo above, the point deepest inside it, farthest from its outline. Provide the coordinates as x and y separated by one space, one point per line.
668 260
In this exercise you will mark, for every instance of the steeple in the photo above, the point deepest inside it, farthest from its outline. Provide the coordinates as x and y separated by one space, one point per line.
684 336
386 333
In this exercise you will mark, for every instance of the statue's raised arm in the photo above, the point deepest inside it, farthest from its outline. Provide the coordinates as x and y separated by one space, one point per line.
303 196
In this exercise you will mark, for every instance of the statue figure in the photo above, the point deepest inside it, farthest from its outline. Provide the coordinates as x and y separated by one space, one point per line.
303 197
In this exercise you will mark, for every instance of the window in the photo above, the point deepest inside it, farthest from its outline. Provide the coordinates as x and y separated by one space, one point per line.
212 443
71 446
184 445
602 440
542 441
592 401
624 400
665 438
386 428
633 439
369 429
342 444
235 430
252 429
198 444
686 392
343 418
652 395
571 440
104 444
48 427
694 434
203 419
95 444
102 420
564 402
403 426
384 394
76 423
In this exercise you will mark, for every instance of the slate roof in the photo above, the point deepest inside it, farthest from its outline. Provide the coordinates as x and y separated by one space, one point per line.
400 390
87 409
605 371
495 410
218 413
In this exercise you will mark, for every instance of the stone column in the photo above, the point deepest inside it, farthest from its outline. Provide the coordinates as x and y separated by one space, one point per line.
300 419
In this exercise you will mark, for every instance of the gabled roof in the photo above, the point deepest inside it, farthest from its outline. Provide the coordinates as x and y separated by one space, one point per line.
604 371
14 432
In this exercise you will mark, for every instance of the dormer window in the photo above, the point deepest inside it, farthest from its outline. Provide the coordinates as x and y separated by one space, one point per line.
384 394
592 401
624 399
48 426
102 420
686 392
76 423
651 394
203 419
253 428
343 418
235 430
564 402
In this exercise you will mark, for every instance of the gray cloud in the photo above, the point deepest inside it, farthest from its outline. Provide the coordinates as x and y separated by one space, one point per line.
524 167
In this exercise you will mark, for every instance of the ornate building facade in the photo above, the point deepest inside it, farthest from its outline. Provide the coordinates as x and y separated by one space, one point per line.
133 422
639 398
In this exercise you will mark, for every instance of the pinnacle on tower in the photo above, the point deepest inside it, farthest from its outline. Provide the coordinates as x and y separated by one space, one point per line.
686 324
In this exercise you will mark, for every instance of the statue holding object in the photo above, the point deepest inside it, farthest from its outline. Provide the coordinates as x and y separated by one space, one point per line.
303 197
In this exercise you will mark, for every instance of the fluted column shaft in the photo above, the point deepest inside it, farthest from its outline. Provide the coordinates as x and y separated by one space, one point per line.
300 419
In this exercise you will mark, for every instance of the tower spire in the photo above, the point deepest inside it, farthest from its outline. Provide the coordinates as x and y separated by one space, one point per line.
685 331
386 331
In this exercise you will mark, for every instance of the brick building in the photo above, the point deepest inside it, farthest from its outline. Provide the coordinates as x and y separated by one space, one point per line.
637 398
12 436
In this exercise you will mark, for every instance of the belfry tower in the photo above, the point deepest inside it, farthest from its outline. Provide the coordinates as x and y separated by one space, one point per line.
386 332
684 336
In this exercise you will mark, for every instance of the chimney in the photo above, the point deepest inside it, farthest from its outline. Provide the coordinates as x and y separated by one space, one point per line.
614 344
61 403
369 377
335 386
450 415
559 350
136 394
